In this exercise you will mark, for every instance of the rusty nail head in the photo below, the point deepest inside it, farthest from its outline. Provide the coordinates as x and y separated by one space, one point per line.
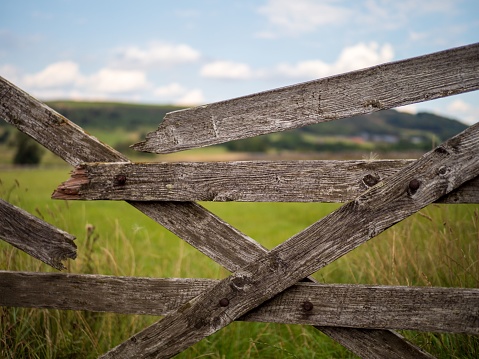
414 185
224 302
307 306
120 180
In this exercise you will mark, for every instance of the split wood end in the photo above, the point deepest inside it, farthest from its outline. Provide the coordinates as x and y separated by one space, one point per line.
154 146
70 189
161 141
35 237
140 146
63 250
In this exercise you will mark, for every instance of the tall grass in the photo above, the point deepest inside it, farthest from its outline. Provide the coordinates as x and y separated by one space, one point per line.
438 246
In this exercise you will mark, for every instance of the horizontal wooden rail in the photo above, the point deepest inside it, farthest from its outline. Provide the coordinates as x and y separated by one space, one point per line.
453 310
35 237
250 181
381 87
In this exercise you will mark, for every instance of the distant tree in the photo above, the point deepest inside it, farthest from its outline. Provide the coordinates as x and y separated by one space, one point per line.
4 136
28 151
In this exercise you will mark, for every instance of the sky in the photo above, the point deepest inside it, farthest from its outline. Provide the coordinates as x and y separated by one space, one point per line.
196 52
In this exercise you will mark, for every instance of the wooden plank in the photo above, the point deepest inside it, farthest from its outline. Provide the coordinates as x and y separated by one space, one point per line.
98 293
249 181
377 88
35 237
452 310
204 231
390 201
374 307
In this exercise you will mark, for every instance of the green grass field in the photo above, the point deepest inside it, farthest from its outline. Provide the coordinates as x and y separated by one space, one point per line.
438 246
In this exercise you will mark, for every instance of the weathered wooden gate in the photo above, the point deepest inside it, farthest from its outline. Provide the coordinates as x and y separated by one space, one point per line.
267 286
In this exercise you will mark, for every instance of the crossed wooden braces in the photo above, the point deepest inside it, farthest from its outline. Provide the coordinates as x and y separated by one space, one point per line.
258 275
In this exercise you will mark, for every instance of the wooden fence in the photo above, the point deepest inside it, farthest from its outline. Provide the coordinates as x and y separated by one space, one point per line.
266 286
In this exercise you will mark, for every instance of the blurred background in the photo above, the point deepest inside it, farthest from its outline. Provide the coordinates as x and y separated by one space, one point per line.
116 68
196 52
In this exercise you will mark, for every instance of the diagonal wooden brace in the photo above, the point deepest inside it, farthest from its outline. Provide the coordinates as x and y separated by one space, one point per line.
390 201
71 143
35 237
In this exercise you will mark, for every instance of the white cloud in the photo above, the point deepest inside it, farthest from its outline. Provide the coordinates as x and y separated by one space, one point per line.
351 58
156 54
412 109
179 95
464 111
226 70
172 90
117 81
301 16
55 75
286 17
65 80
193 97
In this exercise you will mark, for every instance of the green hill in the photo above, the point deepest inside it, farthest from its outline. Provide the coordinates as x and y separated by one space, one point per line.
122 124
109 115
391 122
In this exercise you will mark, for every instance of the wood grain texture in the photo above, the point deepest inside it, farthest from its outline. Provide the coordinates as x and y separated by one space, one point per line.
35 237
435 174
377 88
189 221
249 181
452 310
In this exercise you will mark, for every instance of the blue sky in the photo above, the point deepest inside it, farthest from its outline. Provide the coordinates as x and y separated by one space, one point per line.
196 52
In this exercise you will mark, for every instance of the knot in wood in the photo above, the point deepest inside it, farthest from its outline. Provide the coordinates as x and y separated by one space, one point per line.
441 150
238 283
443 171
414 185
224 302
307 306
370 180
120 180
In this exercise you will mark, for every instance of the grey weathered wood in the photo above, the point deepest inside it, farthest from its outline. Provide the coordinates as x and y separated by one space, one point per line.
435 174
374 307
35 237
381 87
205 231
453 310
250 181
